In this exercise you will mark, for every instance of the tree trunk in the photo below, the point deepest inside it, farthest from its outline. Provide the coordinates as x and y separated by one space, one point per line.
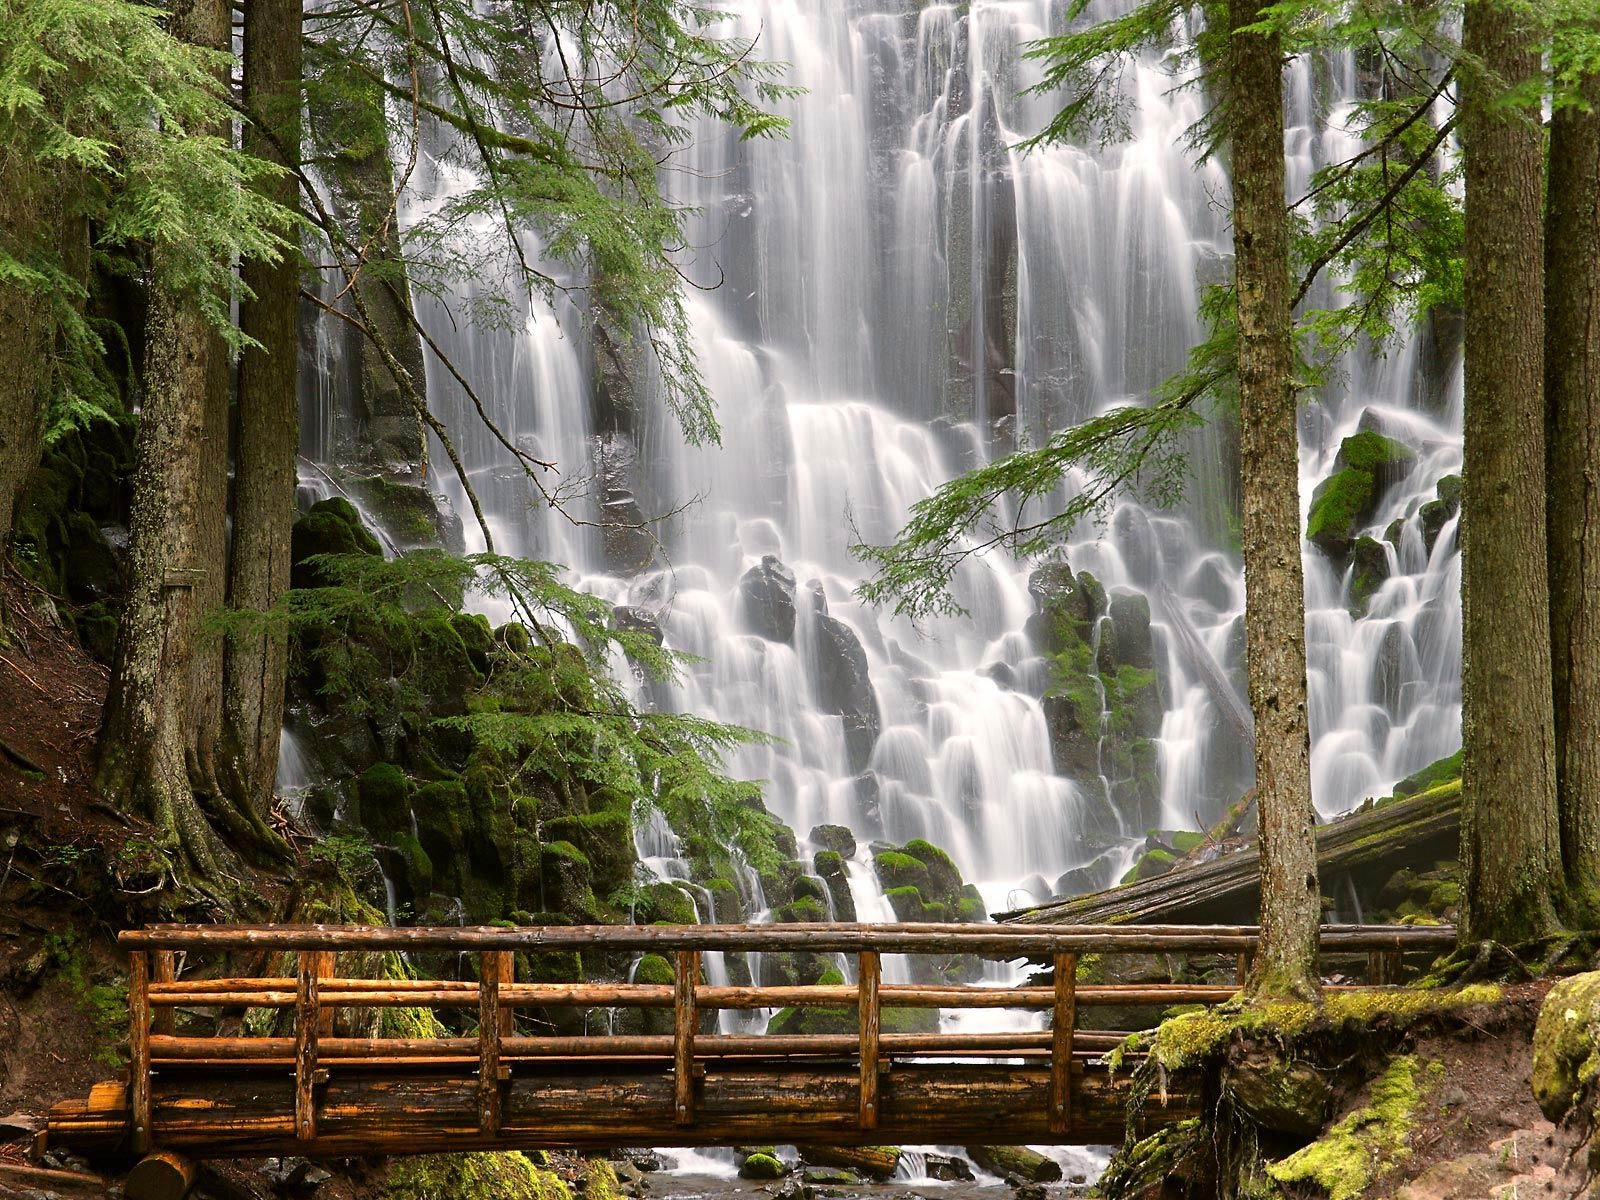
145 731
269 426
163 705
1509 842
1275 628
1572 415
23 329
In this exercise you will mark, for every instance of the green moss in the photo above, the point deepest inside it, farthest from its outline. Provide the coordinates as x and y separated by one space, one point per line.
1185 840
943 875
900 870
1430 776
1151 864
762 1166
1192 1038
508 1175
606 839
383 794
1337 508
1566 1044
725 900
906 902
1364 1145
1369 450
600 1181
329 527
654 968
804 911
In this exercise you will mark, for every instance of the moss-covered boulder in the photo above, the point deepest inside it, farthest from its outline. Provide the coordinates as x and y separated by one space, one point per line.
944 878
501 1175
1566 1044
834 837
897 869
1279 1093
1365 1144
331 526
830 868
762 1166
1369 569
1367 463
606 839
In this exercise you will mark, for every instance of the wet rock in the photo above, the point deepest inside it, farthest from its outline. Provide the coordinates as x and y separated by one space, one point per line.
1128 642
1136 541
1004 676
1016 1163
844 687
829 866
766 600
948 1168
329 527
632 619
834 837
410 512
762 1166
1439 512
1367 464
1213 582
624 539
1370 568
868 802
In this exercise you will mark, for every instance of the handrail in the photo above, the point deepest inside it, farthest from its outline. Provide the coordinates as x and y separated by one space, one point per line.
1013 941
315 991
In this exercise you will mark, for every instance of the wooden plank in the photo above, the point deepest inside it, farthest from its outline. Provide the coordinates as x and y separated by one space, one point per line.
163 970
869 972
324 960
306 1029
489 965
684 1019
1064 1025
508 978
139 1048
996 941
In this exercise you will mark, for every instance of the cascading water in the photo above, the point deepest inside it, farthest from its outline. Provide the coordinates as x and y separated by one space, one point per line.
904 293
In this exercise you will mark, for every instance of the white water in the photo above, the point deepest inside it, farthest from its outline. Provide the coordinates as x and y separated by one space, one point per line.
899 282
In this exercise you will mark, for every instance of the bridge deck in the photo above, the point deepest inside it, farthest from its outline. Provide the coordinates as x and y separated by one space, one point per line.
320 1085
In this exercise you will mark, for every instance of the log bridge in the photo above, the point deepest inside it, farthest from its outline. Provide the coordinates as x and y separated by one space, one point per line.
306 1089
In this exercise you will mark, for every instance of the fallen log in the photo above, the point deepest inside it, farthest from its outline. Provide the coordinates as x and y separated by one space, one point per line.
878 1162
1375 840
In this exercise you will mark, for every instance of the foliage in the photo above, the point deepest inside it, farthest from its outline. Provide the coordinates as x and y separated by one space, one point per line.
552 707
113 117
554 119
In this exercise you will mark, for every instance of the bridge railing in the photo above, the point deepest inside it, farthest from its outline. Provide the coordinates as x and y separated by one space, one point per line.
315 993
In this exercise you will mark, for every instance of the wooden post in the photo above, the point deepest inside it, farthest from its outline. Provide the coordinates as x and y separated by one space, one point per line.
508 974
139 1048
685 1018
489 964
163 969
307 1022
868 1020
1064 1024
325 960
1241 968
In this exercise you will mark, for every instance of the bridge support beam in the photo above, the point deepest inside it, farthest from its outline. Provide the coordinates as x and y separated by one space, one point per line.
161 1176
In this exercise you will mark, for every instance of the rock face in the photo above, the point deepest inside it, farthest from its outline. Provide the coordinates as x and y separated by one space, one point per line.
766 600
1367 464
627 544
1103 700
844 688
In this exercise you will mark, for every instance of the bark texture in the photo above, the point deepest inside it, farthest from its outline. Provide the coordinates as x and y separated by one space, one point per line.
163 706
1291 900
1509 841
268 426
1572 413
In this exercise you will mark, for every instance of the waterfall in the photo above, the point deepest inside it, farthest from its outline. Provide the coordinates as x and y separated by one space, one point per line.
895 292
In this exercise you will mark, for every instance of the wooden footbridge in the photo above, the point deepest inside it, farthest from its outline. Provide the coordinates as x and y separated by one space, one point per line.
311 1086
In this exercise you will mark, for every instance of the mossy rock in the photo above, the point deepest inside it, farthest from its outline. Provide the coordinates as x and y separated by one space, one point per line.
550 966
1370 450
1280 1094
809 887
1435 773
331 526
836 838
477 638
762 1166
1365 1144
829 865
662 903
654 969
806 910
898 870
727 904
383 797
1338 507
501 1175
565 881
1151 864
1566 1044
606 839
906 903
944 877
1369 563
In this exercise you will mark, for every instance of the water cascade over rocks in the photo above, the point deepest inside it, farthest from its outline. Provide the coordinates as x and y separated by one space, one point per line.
895 293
